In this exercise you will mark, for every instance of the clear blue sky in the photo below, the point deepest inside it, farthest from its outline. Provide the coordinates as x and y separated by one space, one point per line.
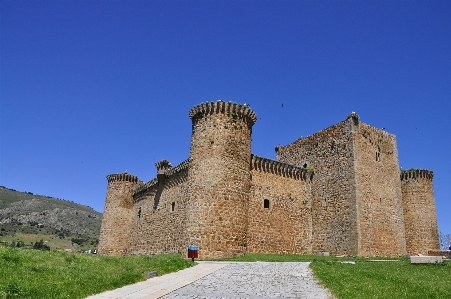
90 88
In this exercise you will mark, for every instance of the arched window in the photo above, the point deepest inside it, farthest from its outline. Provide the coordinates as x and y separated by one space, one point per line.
173 207
266 203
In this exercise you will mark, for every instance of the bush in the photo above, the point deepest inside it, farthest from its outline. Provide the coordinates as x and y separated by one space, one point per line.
40 245
78 241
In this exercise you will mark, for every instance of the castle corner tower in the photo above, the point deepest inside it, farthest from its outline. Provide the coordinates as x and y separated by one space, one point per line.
117 216
420 218
219 178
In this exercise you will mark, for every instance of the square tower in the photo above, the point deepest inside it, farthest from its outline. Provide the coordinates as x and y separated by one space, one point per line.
356 190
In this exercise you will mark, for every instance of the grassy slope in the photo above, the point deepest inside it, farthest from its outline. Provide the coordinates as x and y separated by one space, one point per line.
60 220
52 274
51 240
371 279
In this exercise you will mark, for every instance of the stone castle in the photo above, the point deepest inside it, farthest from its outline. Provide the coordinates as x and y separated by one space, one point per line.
339 190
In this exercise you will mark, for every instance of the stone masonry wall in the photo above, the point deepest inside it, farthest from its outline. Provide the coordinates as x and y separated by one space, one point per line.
379 201
329 153
420 218
286 225
117 217
159 215
219 178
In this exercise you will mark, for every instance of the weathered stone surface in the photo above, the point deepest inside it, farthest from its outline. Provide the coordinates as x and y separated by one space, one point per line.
379 202
117 218
285 225
219 178
419 212
426 259
329 154
357 204
159 216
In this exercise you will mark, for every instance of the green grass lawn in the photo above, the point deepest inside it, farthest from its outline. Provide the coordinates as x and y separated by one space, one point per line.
364 279
52 274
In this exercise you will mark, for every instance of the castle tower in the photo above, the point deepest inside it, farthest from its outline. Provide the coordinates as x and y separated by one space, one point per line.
219 178
117 216
420 218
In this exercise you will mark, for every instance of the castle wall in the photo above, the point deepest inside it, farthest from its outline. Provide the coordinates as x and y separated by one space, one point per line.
379 201
420 218
330 154
157 228
219 178
117 217
285 226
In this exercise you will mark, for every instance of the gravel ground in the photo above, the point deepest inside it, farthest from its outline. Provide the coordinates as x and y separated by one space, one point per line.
259 280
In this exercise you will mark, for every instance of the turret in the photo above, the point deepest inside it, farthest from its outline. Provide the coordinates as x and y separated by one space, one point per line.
117 216
420 218
219 178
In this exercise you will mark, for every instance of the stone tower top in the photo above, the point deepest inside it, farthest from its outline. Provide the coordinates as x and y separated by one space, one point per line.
353 115
163 165
122 177
416 173
241 110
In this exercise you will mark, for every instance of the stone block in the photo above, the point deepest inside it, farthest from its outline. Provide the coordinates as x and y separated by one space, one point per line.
426 260
151 274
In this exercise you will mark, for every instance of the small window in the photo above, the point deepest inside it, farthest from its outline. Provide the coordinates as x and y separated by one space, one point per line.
139 212
173 207
378 156
266 203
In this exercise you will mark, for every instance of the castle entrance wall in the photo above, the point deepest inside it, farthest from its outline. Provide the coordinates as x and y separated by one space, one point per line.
279 214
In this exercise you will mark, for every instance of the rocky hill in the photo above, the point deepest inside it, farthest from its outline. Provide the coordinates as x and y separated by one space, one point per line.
28 213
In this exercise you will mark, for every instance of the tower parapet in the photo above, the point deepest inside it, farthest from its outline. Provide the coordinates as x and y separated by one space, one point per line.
417 173
117 216
230 108
125 177
219 178
420 218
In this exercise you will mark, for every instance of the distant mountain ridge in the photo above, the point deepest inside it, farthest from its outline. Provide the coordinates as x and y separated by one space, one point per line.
28 213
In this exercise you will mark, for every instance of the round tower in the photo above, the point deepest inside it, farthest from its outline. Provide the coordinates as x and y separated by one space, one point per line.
219 178
118 214
420 218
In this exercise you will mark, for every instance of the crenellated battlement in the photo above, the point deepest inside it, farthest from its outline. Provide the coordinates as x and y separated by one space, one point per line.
241 110
417 173
144 187
167 174
279 168
182 166
122 177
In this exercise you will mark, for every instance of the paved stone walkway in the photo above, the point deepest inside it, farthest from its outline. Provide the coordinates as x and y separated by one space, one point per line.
216 280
